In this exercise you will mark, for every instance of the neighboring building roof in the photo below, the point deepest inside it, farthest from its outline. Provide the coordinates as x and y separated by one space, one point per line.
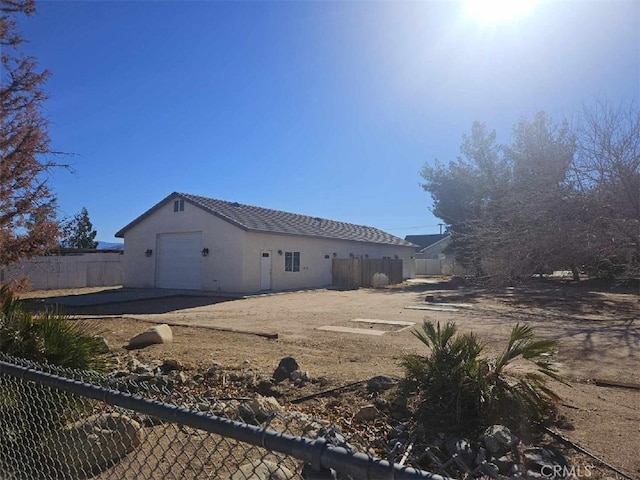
425 241
258 219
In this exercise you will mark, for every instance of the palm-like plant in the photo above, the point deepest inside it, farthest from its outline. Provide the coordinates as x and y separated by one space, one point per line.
459 389
50 337
450 380
528 393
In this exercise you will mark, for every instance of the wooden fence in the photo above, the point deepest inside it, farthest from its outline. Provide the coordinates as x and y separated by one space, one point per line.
351 273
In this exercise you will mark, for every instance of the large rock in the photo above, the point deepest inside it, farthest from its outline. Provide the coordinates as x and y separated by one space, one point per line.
286 366
547 460
263 407
95 443
155 335
498 439
366 413
262 470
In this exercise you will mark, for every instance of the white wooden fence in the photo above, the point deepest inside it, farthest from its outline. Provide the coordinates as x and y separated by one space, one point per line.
94 269
430 266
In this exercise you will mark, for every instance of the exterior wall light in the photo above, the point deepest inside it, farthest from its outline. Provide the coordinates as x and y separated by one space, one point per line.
335 254
149 252
279 252
205 252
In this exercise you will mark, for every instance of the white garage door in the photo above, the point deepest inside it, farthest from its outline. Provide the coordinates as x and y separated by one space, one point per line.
179 260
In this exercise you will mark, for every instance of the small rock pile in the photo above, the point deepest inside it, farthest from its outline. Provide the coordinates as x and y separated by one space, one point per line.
497 453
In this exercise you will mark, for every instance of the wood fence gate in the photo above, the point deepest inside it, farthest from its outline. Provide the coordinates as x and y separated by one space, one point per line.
351 273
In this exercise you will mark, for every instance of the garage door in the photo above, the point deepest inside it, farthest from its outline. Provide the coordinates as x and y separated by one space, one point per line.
179 260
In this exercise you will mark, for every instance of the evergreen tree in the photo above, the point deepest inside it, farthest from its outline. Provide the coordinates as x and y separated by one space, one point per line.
79 232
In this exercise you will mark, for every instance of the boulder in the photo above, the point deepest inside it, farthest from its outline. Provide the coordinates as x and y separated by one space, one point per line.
545 460
154 335
263 407
498 439
103 439
170 364
262 470
266 388
286 366
366 413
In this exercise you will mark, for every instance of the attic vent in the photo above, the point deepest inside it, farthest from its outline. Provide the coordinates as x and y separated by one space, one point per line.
235 204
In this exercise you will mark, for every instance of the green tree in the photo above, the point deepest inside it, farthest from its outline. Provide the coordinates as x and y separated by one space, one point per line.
532 228
26 226
78 232
465 190
516 210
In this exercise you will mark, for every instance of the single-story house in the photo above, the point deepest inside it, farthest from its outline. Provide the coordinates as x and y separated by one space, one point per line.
431 246
430 258
192 242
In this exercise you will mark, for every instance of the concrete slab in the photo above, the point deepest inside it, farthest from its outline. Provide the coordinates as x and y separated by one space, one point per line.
454 305
400 323
118 295
431 308
361 331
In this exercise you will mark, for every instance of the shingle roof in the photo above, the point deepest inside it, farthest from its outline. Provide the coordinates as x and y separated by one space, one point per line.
426 240
258 219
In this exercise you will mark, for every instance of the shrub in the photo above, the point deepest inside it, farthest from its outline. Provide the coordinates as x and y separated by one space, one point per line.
379 280
459 390
449 380
29 411
50 337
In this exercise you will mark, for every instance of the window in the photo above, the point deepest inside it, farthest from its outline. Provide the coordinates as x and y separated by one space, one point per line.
178 205
291 261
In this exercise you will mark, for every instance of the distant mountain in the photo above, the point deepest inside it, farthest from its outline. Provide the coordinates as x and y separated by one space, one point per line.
110 246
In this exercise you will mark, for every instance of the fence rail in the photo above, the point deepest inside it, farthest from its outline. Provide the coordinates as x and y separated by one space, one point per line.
58 423
351 273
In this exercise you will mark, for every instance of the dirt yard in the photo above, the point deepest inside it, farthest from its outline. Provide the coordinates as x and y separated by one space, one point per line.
598 331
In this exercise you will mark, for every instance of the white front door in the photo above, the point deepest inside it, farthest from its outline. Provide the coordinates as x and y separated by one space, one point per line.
265 271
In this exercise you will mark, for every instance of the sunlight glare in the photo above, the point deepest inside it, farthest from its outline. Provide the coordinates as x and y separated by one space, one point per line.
498 11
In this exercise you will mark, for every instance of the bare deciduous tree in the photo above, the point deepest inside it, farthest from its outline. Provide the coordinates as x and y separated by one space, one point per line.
606 171
27 226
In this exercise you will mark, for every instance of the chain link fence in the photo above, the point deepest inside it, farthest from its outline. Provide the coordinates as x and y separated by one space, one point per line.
58 423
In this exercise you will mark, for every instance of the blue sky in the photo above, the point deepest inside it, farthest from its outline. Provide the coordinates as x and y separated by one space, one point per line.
322 108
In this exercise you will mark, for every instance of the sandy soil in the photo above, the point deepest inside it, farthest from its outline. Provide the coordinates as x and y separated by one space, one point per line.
597 328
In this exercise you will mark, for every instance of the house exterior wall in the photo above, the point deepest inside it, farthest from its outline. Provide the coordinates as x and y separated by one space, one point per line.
435 251
222 268
315 259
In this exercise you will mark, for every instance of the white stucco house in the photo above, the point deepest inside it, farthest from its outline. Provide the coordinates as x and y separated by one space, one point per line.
192 242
